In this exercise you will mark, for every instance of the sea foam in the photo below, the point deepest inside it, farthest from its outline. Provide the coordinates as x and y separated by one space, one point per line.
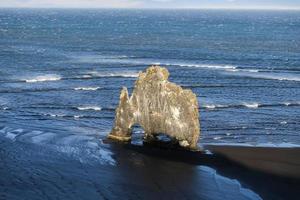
252 105
253 73
226 67
42 78
105 59
96 108
129 74
87 88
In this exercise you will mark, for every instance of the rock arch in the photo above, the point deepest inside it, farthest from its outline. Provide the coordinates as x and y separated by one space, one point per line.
158 106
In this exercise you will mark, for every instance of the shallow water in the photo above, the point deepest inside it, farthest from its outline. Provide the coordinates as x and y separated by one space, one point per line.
61 72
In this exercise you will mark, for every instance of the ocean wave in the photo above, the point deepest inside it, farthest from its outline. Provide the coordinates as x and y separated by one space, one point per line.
95 74
254 73
291 103
148 61
217 138
226 67
58 108
251 105
80 147
232 69
242 70
76 117
132 74
55 115
43 78
87 88
96 108
252 70
4 108
214 106
31 90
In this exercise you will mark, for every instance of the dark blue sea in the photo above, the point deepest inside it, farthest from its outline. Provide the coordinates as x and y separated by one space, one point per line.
61 72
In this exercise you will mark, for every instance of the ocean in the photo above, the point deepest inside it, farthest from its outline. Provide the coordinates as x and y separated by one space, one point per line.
61 72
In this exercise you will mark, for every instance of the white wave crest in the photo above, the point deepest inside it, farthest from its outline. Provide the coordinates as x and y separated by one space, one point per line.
130 74
87 88
287 103
5 108
85 76
217 138
251 105
232 70
126 74
252 70
96 108
226 67
213 106
147 61
243 70
267 75
42 78
54 115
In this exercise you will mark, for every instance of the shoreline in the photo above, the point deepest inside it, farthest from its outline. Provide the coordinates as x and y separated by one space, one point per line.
280 161
138 171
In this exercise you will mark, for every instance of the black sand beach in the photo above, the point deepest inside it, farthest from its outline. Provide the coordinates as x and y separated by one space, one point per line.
140 172
280 161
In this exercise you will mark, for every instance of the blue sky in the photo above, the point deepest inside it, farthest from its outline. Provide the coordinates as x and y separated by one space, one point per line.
260 4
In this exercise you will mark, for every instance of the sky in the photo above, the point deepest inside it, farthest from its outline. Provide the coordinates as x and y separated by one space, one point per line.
246 4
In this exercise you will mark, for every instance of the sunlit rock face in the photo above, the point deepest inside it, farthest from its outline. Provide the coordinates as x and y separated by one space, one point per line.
159 107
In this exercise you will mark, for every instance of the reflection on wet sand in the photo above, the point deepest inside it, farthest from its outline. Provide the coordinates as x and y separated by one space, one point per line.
195 175
143 171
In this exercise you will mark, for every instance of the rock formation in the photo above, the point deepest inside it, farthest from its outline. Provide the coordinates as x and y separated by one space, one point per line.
159 107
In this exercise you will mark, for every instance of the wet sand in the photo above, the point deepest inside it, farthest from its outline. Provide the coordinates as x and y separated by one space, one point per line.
280 161
139 172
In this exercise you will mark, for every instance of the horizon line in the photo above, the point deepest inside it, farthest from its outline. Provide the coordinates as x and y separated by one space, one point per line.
162 8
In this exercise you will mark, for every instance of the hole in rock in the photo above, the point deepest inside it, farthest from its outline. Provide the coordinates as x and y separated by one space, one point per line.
164 138
161 139
137 135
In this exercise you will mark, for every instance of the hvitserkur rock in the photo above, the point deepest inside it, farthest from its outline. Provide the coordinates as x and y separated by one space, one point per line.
159 107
